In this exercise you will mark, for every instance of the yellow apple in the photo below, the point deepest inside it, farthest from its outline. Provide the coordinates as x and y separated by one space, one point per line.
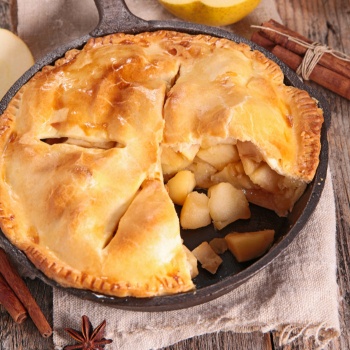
15 59
211 12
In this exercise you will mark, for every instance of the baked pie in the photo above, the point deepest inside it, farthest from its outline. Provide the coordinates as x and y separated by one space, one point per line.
88 144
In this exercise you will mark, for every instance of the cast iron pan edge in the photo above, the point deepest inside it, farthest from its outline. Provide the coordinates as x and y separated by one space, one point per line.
115 17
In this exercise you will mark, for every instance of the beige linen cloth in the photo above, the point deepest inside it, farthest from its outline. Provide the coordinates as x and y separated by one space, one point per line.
296 295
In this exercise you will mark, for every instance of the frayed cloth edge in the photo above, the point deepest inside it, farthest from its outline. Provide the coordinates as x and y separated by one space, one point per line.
319 334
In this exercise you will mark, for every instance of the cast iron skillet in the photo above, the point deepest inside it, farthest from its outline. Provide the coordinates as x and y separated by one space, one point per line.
115 17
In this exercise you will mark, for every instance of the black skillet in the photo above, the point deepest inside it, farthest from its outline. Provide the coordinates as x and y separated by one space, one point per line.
115 17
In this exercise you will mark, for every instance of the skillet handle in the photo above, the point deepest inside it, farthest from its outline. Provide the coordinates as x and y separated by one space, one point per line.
115 17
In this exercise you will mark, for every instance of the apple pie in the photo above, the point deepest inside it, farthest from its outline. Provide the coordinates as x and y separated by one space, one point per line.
88 144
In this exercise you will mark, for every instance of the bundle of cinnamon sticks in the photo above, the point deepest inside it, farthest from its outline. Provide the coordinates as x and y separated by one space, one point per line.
331 71
17 299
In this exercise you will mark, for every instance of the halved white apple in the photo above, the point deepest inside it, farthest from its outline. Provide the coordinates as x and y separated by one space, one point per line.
212 12
15 59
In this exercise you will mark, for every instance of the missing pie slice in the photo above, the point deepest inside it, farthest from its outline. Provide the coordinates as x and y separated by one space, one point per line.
87 143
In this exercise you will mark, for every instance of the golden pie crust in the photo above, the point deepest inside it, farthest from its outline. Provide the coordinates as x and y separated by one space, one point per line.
86 144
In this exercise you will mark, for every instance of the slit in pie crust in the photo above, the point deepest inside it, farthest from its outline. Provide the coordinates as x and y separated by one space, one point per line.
87 144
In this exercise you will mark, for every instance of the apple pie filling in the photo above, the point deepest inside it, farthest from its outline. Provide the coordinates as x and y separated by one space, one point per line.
240 164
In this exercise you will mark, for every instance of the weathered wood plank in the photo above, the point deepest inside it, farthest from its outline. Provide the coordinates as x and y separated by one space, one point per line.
8 15
226 341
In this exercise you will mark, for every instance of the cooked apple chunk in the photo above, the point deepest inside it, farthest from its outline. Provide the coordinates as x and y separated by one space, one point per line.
195 211
207 257
180 186
235 175
219 245
219 155
266 178
249 245
174 160
249 165
227 204
282 202
203 172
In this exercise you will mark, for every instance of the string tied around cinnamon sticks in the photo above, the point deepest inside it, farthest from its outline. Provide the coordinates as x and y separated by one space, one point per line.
321 64
311 58
313 54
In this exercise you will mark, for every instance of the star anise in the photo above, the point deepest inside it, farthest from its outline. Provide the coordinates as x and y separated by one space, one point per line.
88 338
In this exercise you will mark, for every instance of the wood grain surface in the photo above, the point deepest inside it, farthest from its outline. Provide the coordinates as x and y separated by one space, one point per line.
325 21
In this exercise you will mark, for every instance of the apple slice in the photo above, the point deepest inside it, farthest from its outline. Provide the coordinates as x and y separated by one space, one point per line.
249 245
212 12
219 155
15 59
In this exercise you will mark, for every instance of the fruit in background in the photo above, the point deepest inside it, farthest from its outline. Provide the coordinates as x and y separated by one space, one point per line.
211 12
15 59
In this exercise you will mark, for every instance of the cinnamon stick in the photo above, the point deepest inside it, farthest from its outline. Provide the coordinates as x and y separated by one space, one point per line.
321 75
259 39
11 303
22 292
325 77
283 29
327 60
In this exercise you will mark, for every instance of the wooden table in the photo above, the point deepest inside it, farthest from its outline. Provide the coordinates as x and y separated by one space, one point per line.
327 22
